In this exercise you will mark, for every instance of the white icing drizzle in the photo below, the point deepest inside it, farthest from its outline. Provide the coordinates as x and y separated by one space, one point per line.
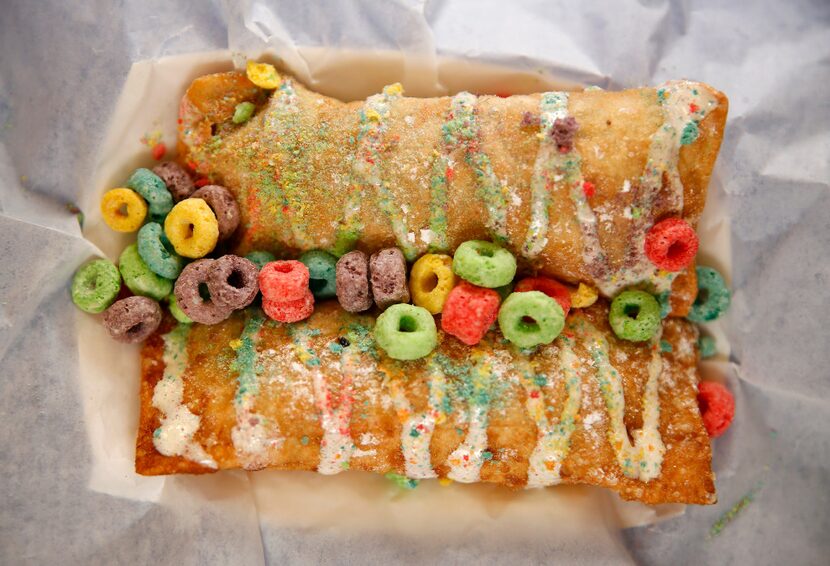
553 438
465 461
461 130
552 106
337 445
644 459
253 435
178 425
417 430
684 105
366 165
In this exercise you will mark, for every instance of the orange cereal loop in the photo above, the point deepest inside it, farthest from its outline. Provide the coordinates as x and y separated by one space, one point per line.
123 210
192 228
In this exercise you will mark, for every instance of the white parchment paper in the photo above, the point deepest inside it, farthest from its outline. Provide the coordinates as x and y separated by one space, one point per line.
69 494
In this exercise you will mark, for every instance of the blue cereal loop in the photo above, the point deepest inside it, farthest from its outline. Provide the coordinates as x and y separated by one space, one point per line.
152 188
713 296
157 251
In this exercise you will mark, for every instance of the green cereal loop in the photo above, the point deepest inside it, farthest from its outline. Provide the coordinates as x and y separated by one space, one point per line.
634 316
713 296
322 269
243 112
406 332
139 278
260 258
152 188
484 264
96 285
176 311
531 318
706 345
157 251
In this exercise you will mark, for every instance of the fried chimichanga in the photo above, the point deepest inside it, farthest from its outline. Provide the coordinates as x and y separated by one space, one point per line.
318 395
570 182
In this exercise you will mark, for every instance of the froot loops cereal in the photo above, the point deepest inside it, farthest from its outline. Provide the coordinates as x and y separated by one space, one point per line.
671 244
531 318
431 281
96 285
139 278
717 407
322 269
634 316
484 264
406 332
469 312
713 296
550 287
192 228
153 189
123 210
133 319
189 289
387 276
157 251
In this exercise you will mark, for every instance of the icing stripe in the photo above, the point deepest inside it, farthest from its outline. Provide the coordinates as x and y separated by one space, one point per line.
417 429
373 127
253 434
553 439
337 446
465 461
684 106
644 459
174 437
552 106
462 129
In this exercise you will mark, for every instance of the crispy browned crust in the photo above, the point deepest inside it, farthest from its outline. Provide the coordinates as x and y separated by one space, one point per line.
210 387
613 140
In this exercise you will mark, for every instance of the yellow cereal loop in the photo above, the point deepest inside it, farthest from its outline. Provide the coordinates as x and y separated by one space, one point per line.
263 75
192 228
583 297
431 281
395 89
123 210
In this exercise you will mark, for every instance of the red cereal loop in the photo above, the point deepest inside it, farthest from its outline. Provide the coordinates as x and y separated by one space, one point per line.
289 311
717 407
469 312
284 280
550 287
671 244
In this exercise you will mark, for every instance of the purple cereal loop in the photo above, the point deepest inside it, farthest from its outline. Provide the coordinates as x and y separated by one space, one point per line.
388 277
190 300
232 282
224 206
178 181
563 132
133 319
352 282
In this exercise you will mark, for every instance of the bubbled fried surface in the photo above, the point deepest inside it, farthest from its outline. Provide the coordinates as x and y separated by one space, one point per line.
309 158
286 396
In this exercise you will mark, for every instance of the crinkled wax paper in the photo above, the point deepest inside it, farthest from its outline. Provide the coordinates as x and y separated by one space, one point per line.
72 111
